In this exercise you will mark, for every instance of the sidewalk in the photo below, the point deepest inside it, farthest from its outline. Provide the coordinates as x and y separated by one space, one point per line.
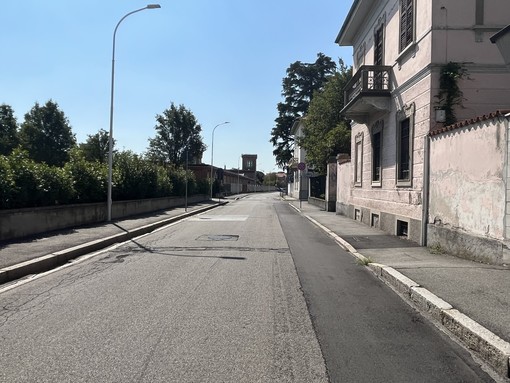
453 292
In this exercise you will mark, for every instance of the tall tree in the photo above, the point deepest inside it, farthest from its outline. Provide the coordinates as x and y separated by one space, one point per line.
96 148
46 134
177 130
302 80
8 130
326 133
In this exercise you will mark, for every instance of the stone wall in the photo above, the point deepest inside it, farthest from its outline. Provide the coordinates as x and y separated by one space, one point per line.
18 223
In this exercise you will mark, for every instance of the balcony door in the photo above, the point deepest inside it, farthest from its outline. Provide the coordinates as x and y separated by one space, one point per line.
378 56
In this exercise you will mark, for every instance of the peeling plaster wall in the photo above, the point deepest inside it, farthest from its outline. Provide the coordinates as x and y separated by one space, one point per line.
344 186
468 179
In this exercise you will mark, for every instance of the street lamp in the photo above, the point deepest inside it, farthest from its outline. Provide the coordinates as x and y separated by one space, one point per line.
212 152
110 140
238 178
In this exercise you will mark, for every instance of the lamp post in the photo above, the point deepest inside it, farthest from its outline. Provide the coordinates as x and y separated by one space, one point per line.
186 193
212 152
238 178
110 140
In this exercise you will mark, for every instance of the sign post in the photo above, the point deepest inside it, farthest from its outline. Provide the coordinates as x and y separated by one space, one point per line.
301 166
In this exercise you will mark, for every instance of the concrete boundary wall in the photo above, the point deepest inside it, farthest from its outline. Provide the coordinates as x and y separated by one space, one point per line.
18 223
319 202
468 246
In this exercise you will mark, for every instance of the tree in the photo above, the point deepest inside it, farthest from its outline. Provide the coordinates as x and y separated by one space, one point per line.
96 147
302 80
46 134
8 130
326 133
177 130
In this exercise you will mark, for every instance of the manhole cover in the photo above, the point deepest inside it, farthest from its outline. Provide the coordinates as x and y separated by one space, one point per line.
218 237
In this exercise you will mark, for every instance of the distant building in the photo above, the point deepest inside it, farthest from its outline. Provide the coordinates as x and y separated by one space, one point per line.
249 167
298 182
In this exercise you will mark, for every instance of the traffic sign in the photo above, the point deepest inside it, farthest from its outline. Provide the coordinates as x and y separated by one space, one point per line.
301 166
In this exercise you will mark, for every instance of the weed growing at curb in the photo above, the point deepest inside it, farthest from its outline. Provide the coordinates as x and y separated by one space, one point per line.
437 249
364 261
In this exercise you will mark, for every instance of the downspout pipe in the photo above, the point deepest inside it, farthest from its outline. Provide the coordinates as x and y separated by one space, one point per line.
426 188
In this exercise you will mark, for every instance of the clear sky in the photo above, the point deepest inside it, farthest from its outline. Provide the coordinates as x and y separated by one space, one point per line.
222 59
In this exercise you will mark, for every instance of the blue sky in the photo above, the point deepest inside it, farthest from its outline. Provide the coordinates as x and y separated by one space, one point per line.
224 60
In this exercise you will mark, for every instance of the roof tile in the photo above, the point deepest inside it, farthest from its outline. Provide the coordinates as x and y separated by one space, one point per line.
442 129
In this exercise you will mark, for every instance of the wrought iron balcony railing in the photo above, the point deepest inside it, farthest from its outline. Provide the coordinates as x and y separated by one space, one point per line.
369 80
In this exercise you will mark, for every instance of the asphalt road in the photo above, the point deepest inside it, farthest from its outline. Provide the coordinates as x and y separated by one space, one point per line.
215 298
249 292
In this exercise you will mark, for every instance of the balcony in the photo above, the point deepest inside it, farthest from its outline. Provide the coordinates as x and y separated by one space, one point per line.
368 92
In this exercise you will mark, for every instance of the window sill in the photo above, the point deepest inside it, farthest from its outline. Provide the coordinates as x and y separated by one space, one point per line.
410 50
404 183
376 184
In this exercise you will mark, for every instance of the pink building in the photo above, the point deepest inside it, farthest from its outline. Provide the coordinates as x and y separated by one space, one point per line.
400 48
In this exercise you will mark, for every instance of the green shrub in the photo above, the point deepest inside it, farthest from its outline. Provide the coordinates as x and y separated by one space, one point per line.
89 178
26 183
38 184
137 178
6 183
55 185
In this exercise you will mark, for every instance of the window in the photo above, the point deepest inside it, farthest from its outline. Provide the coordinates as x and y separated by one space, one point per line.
358 164
406 23
378 46
379 52
405 123
376 157
374 220
403 157
377 153
402 229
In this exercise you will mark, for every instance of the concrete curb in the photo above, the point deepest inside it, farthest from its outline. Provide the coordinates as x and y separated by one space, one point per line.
50 261
483 343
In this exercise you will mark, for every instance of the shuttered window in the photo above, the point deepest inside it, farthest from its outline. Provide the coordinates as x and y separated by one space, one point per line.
404 154
406 23
376 157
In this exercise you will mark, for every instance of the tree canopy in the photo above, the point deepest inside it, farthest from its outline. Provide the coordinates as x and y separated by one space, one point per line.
96 147
299 86
8 130
46 134
177 130
326 133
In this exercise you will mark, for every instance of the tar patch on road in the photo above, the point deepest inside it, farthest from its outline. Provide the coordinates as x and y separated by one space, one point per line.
218 237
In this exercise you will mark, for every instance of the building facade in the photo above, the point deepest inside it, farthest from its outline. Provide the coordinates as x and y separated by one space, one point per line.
401 51
298 182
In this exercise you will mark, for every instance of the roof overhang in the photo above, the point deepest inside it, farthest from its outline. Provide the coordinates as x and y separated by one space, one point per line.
295 126
354 20
502 40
